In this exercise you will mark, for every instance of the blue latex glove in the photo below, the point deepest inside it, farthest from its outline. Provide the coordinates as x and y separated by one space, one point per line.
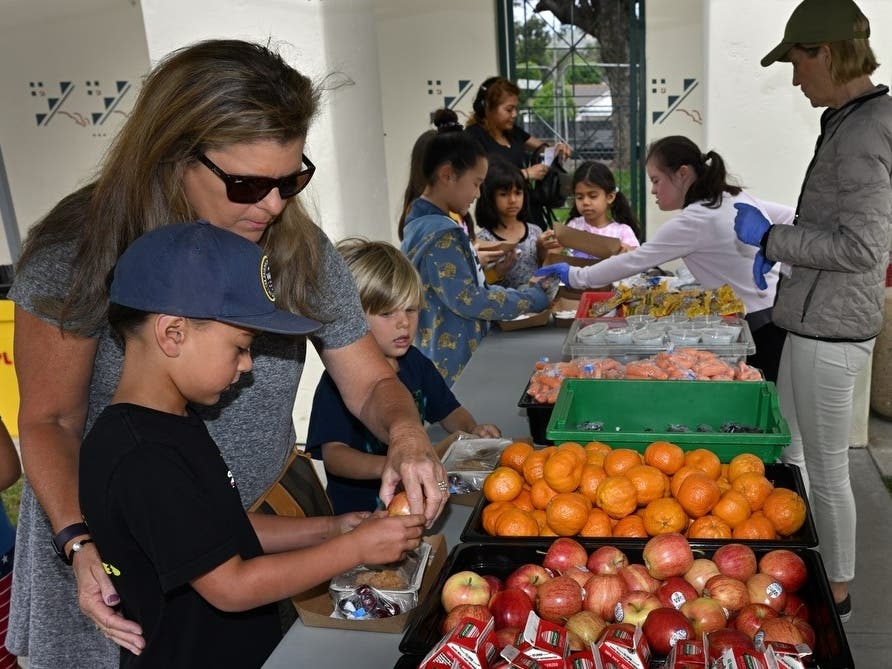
749 224
761 266
560 270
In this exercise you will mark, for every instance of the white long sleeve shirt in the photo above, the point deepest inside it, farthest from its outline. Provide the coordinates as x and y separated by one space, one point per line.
704 239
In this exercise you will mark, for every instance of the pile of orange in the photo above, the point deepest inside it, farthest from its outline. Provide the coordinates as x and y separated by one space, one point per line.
599 491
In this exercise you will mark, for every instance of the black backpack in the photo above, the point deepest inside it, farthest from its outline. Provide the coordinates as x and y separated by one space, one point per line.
549 193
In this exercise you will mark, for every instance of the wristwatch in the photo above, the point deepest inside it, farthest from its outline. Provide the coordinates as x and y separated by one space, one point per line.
65 535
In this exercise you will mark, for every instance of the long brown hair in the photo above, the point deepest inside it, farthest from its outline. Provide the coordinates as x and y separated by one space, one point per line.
209 95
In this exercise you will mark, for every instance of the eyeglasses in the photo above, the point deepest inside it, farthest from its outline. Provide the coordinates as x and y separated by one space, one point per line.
248 190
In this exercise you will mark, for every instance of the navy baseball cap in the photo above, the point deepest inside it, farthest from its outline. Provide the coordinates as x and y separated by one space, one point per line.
199 270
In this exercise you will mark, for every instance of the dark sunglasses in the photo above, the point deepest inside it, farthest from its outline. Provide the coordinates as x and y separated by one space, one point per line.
248 190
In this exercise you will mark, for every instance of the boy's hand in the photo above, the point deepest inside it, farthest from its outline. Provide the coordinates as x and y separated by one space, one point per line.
383 540
347 521
487 430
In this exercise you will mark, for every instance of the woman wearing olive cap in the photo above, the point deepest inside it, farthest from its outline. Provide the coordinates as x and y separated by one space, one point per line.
834 258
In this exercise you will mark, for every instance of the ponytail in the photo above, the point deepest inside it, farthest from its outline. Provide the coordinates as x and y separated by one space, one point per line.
711 180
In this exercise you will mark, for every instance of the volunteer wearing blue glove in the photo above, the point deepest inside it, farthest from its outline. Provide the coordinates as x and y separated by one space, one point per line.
702 235
832 302
752 228
561 270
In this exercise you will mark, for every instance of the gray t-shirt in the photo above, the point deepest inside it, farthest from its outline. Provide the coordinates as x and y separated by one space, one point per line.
251 424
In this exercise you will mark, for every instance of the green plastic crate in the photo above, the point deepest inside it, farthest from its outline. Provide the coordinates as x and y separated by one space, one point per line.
635 413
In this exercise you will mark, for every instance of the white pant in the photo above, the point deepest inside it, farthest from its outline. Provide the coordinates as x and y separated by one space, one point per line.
816 382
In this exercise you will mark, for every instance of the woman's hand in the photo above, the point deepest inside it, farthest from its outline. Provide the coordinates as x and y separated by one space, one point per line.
536 172
562 150
414 463
96 595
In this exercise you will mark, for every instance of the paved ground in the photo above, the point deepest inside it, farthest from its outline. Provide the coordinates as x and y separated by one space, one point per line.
869 631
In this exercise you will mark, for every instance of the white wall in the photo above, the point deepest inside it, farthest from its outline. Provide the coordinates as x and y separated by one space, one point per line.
41 43
755 117
421 41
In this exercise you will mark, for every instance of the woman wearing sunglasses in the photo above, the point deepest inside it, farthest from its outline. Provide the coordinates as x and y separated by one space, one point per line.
217 133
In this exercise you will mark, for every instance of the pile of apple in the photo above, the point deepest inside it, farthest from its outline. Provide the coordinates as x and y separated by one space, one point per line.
673 595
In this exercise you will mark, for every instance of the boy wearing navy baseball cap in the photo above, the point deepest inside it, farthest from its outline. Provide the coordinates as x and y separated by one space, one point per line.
199 574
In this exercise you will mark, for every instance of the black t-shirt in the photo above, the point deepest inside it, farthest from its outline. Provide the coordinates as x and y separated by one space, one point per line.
330 420
164 508
514 154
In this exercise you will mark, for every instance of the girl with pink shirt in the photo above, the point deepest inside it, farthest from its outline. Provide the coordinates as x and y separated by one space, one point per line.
599 208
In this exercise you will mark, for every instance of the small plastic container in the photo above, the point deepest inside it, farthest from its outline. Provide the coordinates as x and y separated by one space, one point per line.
620 335
733 328
684 337
592 334
710 321
717 336
650 337
639 320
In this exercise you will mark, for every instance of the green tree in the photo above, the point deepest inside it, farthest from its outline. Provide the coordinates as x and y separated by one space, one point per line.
544 103
532 40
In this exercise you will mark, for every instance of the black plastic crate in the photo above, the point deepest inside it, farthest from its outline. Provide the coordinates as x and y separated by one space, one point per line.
538 415
831 646
781 475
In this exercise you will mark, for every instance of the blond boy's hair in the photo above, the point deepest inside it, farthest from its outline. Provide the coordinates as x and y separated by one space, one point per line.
385 278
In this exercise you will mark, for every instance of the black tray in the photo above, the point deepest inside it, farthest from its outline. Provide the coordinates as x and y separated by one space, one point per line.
538 415
831 647
781 475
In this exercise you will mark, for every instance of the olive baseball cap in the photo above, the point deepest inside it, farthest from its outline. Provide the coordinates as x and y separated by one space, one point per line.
818 21
199 270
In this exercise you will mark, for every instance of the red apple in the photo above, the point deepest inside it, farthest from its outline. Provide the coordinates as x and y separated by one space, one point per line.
563 554
634 606
528 577
705 614
508 636
602 592
784 630
476 611
750 618
606 560
786 567
727 591
667 555
399 505
808 632
796 607
735 560
727 638
637 578
495 583
765 590
510 608
701 571
665 626
587 625
558 598
464 587
675 591
579 574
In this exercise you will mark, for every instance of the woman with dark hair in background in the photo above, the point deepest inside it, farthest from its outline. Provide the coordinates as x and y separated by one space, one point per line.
701 235
458 304
493 124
